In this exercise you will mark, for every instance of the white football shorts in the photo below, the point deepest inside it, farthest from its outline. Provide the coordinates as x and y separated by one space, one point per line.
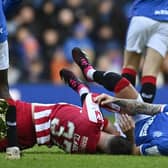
4 55
145 32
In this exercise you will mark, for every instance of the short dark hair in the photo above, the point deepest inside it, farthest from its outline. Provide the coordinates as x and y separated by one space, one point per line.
119 145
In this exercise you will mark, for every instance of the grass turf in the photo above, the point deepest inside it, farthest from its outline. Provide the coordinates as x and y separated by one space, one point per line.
43 157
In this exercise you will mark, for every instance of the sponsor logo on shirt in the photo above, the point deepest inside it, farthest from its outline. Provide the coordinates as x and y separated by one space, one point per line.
161 12
145 127
157 134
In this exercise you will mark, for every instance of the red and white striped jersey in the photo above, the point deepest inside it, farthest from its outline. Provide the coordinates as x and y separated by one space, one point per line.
72 128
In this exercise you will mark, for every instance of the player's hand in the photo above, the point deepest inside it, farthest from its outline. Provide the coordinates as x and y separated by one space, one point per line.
106 101
127 126
126 122
103 99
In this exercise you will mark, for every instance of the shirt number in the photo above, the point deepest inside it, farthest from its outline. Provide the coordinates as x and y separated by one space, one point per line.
58 130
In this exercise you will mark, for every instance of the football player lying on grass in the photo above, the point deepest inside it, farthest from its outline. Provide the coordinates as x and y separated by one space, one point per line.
74 129
151 128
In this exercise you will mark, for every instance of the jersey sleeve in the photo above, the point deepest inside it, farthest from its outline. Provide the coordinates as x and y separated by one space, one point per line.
106 121
155 147
10 5
164 108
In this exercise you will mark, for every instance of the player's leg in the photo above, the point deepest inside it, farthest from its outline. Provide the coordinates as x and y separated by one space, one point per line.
4 90
110 80
78 86
12 150
4 56
150 72
157 49
137 37
131 66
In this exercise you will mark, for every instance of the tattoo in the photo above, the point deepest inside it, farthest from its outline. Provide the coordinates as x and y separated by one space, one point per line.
134 107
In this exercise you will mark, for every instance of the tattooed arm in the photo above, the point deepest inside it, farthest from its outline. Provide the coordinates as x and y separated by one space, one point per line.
129 106
133 107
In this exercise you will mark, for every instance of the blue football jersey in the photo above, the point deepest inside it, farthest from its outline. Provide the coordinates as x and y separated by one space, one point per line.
6 6
154 9
151 134
3 28
10 5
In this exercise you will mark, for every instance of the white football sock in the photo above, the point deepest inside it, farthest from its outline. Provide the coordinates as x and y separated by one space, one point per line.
83 90
90 73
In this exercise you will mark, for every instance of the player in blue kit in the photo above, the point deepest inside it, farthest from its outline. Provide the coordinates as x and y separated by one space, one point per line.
6 7
147 35
151 129
151 132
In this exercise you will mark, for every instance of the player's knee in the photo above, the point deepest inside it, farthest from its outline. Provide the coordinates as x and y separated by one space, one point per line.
110 80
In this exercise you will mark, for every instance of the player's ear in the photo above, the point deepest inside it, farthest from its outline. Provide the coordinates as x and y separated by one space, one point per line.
119 145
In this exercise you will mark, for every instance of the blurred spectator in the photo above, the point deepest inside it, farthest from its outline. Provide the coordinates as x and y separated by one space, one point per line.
35 71
105 36
43 32
65 22
78 7
26 49
49 43
111 59
109 13
78 39
88 22
57 63
47 15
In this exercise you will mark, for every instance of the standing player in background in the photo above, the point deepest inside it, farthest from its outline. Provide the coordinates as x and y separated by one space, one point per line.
7 6
147 34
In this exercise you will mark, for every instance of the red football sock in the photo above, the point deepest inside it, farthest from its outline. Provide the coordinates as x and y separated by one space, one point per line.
121 85
148 79
129 74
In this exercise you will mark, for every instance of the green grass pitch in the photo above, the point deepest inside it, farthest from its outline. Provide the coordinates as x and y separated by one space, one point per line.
43 157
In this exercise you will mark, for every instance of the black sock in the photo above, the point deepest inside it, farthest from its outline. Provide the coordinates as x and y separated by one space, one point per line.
83 98
108 80
11 126
98 77
130 78
148 92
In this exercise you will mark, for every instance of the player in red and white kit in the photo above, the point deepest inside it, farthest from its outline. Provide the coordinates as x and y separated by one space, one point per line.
74 129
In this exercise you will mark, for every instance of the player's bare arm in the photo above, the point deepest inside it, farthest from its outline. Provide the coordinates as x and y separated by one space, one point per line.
129 106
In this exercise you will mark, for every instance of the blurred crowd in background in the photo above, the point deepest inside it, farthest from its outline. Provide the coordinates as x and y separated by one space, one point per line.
42 34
